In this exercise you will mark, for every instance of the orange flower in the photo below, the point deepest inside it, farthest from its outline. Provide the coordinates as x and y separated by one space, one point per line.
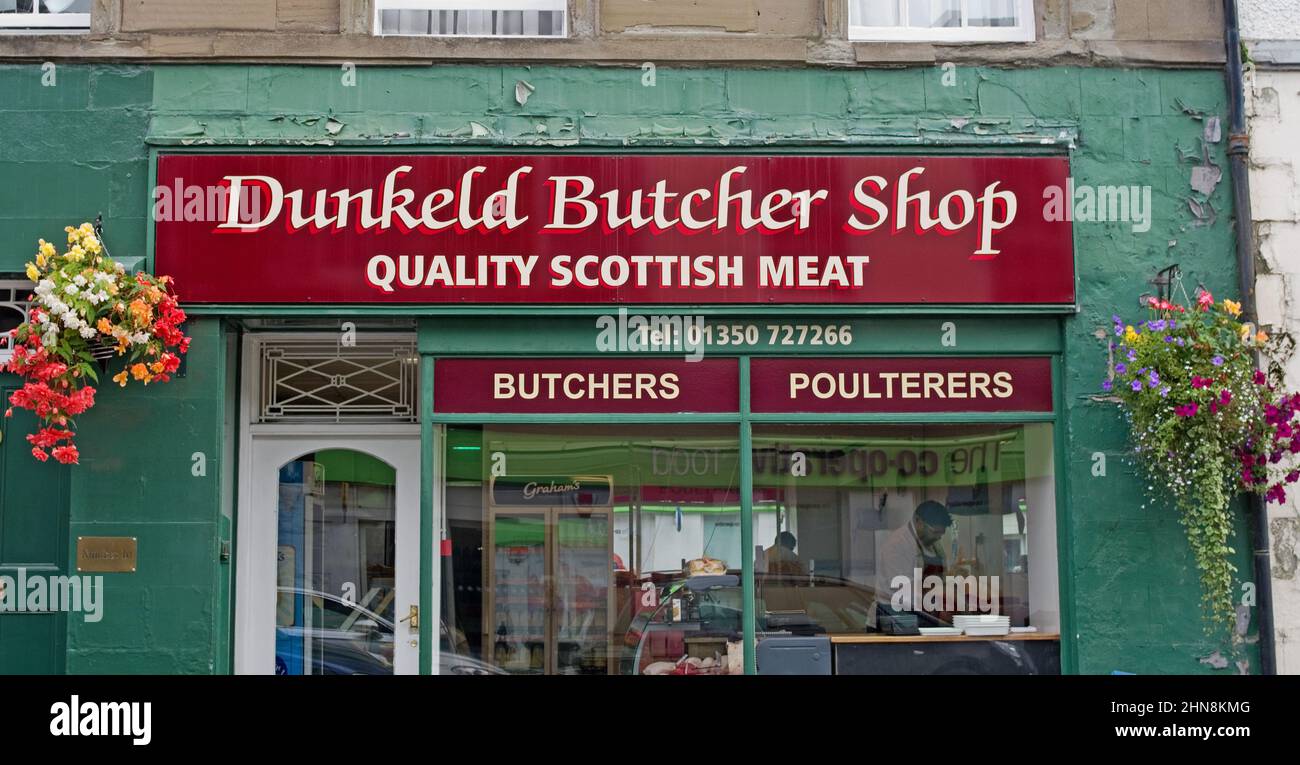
1262 337
141 312
120 378
104 326
140 372
156 367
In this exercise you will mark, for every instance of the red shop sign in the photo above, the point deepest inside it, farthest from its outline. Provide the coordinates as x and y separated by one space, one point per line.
344 228
901 385
580 386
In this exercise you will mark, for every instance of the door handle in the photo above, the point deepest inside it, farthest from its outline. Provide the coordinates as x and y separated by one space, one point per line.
413 617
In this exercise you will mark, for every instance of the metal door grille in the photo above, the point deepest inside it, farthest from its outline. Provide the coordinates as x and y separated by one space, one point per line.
324 381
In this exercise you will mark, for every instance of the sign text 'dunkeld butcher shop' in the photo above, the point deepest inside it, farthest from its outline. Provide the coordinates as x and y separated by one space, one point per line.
638 229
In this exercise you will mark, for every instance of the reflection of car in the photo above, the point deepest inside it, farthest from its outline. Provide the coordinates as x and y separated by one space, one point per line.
708 612
712 606
353 640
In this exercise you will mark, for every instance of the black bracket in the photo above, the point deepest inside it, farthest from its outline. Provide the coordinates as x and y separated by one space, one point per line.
99 233
1164 282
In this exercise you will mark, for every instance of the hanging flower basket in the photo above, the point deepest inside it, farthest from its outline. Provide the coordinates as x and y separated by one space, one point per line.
1206 423
85 309
102 351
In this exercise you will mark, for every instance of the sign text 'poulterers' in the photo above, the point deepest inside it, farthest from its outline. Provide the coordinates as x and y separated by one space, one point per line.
345 228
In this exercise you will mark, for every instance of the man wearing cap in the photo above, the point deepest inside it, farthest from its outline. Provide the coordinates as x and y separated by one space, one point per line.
912 546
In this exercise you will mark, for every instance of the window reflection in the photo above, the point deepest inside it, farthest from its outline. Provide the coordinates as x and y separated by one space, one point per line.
589 549
905 530
595 549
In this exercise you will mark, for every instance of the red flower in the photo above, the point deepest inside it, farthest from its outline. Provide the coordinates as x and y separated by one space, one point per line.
67 455
39 454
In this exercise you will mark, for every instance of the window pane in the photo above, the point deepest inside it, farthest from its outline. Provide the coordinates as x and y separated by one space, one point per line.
874 13
930 14
903 530
993 13
918 13
481 21
609 550
946 13
405 22
336 565
413 22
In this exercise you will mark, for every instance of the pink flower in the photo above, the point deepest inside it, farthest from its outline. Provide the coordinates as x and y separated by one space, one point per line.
66 455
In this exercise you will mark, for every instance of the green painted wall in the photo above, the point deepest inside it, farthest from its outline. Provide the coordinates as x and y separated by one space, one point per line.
33 538
137 478
70 148
1134 591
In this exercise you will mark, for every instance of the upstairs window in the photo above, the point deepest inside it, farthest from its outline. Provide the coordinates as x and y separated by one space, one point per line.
941 20
45 15
472 18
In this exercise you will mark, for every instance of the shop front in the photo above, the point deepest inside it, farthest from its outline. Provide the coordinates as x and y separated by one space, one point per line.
637 413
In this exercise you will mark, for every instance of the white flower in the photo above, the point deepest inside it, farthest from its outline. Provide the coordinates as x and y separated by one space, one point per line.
71 321
94 297
87 331
79 280
140 338
102 295
71 289
50 339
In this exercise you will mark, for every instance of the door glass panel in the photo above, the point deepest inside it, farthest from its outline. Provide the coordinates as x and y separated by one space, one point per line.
583 594
519 594
336 554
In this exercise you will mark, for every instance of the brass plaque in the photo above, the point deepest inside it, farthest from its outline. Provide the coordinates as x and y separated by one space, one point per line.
106 554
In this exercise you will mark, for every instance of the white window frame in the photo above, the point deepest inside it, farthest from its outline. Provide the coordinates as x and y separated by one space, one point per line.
12 294
35 21
471 5
1024 32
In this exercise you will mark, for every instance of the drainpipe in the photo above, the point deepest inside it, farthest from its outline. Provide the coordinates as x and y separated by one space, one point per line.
1239 161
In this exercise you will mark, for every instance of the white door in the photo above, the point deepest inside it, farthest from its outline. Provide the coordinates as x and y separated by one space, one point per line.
328 555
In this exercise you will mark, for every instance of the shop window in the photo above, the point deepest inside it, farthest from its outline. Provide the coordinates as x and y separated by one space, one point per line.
894 530
13 311
593 549
45 15
472 18
942 20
